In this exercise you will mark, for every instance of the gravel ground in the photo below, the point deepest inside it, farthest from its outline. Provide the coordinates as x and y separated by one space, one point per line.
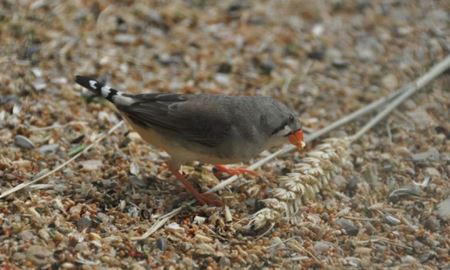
386 204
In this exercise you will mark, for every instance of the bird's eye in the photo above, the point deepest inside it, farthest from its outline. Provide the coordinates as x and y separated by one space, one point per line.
291 118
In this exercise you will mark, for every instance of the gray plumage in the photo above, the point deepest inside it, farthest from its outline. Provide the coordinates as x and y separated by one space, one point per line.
208 128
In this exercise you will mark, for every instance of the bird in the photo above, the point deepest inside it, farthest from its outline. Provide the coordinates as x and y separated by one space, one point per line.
209 128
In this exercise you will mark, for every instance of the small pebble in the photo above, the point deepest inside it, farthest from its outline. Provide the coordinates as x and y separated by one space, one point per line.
431 171
43 233
26 235
37 72
23 164
199 220
16 109
228 215
137 266
349 227
363 251
61 187
340 63
103 217
443 209
365 54
84 223
39 84
353 261
391 220
39 255
161 243
67 265
426 256
222 79
23 142
266 67
19 257
340 182
421 118
137 181
431 224
82 247
9 176
322 246
224 262
125 39
134 168
408 259
48 148
175 227
224 68
91 165
429 155
390 81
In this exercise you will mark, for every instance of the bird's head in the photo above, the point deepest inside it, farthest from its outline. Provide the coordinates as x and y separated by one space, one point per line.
290 129
284 127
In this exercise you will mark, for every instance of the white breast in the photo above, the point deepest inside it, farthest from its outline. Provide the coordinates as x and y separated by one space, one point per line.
179 153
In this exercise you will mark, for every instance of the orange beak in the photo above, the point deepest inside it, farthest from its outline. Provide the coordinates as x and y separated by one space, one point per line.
297 139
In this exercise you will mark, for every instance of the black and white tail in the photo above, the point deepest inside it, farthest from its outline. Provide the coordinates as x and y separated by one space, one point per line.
105 91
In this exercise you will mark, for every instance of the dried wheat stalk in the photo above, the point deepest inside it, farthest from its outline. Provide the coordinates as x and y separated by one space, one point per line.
304 182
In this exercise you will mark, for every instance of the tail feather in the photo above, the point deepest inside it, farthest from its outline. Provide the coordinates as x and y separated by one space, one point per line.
100 89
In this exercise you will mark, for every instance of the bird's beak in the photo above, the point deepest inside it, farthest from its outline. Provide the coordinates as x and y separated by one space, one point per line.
296 139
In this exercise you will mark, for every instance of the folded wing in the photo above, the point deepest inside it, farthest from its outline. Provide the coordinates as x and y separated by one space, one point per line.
196 119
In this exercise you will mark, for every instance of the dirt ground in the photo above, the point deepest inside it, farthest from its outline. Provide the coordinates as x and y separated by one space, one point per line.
385 206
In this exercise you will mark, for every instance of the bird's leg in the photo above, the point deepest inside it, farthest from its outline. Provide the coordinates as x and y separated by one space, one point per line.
219 169
202 198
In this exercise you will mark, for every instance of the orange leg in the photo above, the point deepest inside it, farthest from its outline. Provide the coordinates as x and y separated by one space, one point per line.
219 169
202 198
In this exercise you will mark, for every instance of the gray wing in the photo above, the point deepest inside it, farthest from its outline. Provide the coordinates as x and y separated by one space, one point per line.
194 118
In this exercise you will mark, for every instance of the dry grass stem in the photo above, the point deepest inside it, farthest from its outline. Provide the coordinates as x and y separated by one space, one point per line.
59 167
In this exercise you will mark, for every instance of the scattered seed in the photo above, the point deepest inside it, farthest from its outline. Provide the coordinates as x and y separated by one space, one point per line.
349 227
23 142
72 152
161 243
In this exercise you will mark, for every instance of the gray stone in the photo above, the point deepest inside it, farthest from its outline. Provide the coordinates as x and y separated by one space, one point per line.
349 227
23 142
48 148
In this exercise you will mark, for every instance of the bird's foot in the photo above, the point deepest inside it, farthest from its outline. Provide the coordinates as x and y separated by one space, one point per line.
202 198
218 170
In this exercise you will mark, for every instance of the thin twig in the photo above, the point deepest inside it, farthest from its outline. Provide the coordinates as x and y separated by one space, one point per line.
293 244
159 223
286 85
56 125
266 232
435 71
381 239
24 185
362 218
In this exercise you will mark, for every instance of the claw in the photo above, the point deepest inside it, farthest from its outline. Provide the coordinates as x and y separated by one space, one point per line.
218 170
